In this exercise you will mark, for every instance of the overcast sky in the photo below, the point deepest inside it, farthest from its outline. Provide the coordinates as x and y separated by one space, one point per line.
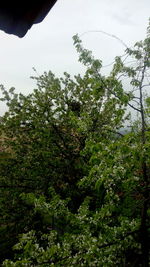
49 45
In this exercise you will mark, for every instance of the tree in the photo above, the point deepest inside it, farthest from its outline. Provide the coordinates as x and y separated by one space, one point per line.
81 184
46 133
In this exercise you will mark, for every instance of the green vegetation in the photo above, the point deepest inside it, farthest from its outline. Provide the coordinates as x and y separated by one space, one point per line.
74 189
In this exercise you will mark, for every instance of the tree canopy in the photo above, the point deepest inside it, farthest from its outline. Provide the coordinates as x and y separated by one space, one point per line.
74 188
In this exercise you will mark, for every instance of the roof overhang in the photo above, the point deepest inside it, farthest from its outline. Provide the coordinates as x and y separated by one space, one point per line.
17 17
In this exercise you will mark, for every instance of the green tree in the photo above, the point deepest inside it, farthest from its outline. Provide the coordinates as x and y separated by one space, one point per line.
45 134
81 187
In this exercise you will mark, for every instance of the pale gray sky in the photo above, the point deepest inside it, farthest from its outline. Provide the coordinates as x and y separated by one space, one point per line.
49 45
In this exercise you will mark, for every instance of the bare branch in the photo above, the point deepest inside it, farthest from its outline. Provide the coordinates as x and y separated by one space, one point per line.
145 85
134 107
106 33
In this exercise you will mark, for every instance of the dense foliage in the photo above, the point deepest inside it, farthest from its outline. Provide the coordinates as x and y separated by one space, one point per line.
74 188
